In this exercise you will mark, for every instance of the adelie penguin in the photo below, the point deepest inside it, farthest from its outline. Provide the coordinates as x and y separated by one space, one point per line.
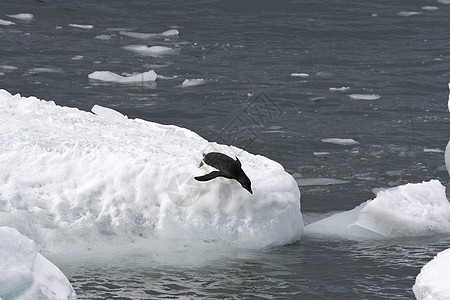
226 167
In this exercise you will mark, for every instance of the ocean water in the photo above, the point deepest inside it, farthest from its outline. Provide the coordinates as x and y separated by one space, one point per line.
375 72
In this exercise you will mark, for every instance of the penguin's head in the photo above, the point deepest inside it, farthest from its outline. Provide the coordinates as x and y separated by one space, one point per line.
246 184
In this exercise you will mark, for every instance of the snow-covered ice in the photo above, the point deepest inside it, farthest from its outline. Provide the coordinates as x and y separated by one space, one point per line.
113 77
76 180
409 210
192 82
340 141
22 16
433 281
149 51
364 96
26 274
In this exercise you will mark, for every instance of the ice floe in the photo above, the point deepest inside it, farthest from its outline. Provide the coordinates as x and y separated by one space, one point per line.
192 82
339 141
109 76
82 26
149 51
303 75
144 36
409 210
364 96
6 23
22 16
26 274
433 281
76 181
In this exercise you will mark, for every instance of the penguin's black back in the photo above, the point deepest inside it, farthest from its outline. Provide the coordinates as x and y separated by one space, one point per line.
227 166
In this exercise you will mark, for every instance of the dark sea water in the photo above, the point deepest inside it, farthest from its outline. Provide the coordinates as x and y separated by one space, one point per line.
396 53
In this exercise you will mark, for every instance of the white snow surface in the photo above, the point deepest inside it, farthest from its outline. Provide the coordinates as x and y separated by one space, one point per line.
75 181
26 274
405 211
433 281
113 77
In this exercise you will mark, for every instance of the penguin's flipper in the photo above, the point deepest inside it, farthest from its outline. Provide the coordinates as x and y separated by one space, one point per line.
209 176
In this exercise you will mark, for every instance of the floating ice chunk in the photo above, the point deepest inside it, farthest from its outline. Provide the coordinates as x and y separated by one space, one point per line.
303 75
113 77
43 70
77 57
145 36
409 13
26 274
432 283
430 8
192 82
324 153
319 181
408 210
340 89
76 184
8 68
365 96
149 51
433 150
81 26
6 23
23 17
339 141
103 37
444 1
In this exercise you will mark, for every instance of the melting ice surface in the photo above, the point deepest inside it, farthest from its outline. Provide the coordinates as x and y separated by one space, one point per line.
82 183
409 210
26 274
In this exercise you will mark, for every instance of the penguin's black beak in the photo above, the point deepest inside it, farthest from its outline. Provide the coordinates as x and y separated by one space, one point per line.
250 190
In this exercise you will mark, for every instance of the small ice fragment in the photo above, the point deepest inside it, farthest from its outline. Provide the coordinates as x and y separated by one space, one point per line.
113 77
103 37
364 96
34 71
81 26
192 82
444 1
339 141
108 114
340 89
433 150
6 23
23 17
77 57
430 8
171 32
9 68
321 153
303 75
408 13
149 51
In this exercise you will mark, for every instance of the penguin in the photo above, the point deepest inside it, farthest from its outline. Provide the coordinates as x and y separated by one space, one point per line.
227 167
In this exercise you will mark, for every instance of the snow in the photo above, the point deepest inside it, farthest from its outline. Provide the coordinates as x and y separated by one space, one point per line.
26 274
23 16
409 210
433 281
79 182
364 96
339 141
193 82
149 51
113 77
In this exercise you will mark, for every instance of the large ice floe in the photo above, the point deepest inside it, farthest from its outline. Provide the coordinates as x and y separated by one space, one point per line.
78 181
27 275
433 281
405 211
